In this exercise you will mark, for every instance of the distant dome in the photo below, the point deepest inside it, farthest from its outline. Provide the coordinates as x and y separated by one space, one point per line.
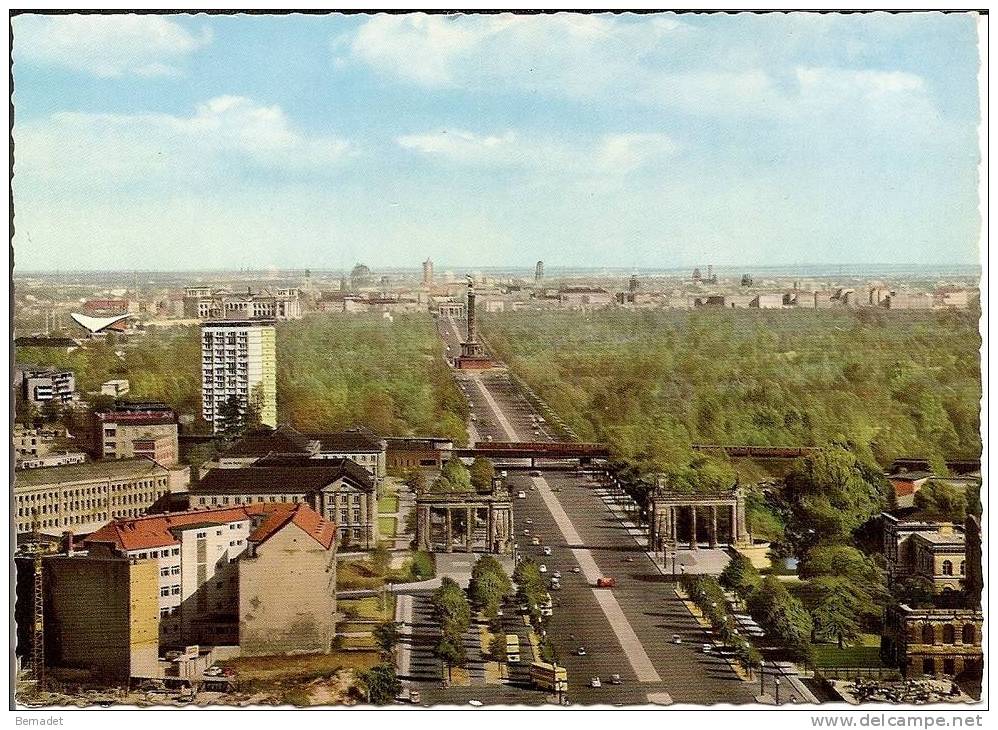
360 271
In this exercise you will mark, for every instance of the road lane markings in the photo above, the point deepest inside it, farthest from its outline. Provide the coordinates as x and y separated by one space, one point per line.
628 639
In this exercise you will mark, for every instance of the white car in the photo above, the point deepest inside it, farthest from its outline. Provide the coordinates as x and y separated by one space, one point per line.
677 639
521 495
595 683
543 569
707 648
576 569
528 521
547 550
581 651
526 530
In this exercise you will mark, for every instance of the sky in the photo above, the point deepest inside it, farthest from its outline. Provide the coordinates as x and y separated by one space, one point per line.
161 142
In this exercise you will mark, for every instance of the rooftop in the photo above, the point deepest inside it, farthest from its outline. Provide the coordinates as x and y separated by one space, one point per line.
300 475
154 531
91 471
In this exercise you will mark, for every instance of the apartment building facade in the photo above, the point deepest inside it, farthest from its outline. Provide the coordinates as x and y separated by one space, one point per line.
239 360
131 430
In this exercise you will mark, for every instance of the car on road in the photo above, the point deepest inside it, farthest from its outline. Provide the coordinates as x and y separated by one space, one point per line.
521 495
547 550
526 530
595 683
614 679
543 568
213 671
528 521
629 559
581 651
475 703
555 585
557 575
677 639
536 540
605 583
708 648
414 696
535 473
576 569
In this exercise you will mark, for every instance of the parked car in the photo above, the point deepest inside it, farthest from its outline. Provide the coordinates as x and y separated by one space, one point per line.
535 473
414 696
521 495
605 583
581 651
707 648
614 679
576 569
677 639
595 683
543 568
547 550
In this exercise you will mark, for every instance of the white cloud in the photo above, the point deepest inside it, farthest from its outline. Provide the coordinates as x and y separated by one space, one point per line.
106 45
458 145
625 152
227 130
651 60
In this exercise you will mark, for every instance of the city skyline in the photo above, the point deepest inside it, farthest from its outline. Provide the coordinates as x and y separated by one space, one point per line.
637 141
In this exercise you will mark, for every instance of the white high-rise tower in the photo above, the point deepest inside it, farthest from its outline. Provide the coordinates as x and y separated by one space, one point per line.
239 358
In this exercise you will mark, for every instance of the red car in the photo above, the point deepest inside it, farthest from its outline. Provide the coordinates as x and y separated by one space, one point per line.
605 583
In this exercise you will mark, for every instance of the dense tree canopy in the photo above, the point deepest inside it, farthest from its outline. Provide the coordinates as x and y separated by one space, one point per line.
649 383
333 372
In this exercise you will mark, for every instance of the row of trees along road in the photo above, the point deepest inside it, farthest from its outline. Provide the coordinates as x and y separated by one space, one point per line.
453 613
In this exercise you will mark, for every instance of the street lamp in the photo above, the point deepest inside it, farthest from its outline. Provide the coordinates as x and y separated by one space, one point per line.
777 680
762 677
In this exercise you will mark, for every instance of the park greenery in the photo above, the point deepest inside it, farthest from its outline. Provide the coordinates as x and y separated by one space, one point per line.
382 684
333 372
453 613
489 586
651 383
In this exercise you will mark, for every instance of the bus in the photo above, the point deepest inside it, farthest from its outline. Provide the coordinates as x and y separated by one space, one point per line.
512 648
547 676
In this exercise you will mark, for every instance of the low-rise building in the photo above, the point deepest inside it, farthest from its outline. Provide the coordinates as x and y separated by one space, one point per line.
340 490
129 430
41 386
934 641
935 551
405 453
584 297
53 458
82 497
115 388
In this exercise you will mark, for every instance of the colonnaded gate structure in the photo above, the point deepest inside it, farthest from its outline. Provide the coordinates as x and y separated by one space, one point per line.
715 518
464 522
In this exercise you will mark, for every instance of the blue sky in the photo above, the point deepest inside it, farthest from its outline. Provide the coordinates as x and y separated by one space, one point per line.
161 142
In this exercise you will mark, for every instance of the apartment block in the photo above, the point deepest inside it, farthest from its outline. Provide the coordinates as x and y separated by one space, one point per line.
130 430
239 360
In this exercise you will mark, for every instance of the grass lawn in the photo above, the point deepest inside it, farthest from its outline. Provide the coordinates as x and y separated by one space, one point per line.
387 526
358 642
352 627
388 504
355 575
303 668
369 608
866 653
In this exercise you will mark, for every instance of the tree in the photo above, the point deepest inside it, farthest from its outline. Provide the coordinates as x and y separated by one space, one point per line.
941 501
489 585
740 576
836 613
415 480
450 651
497 650
25 412
386 635
232 418
826 498
781 614
481 473
51 411
454 477
382 684
381 560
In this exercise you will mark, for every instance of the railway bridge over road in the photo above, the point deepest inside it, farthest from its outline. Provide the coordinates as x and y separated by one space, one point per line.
534 450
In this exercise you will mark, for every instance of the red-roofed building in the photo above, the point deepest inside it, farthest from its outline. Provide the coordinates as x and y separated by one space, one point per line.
208 559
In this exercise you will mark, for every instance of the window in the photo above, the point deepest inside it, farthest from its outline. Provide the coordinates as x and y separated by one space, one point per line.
218 533
356 515
175 590
963 567
947 567
164 591
344 515
175 570
949 634
164 612
201 535
928 634
175 551
164 572
142 556
969 634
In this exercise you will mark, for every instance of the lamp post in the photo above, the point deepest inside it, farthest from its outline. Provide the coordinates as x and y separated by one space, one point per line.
762 677
777 680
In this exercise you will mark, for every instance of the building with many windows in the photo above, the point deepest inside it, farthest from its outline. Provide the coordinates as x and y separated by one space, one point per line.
40 386
82 497
935 551
239 362
129 430
340 490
